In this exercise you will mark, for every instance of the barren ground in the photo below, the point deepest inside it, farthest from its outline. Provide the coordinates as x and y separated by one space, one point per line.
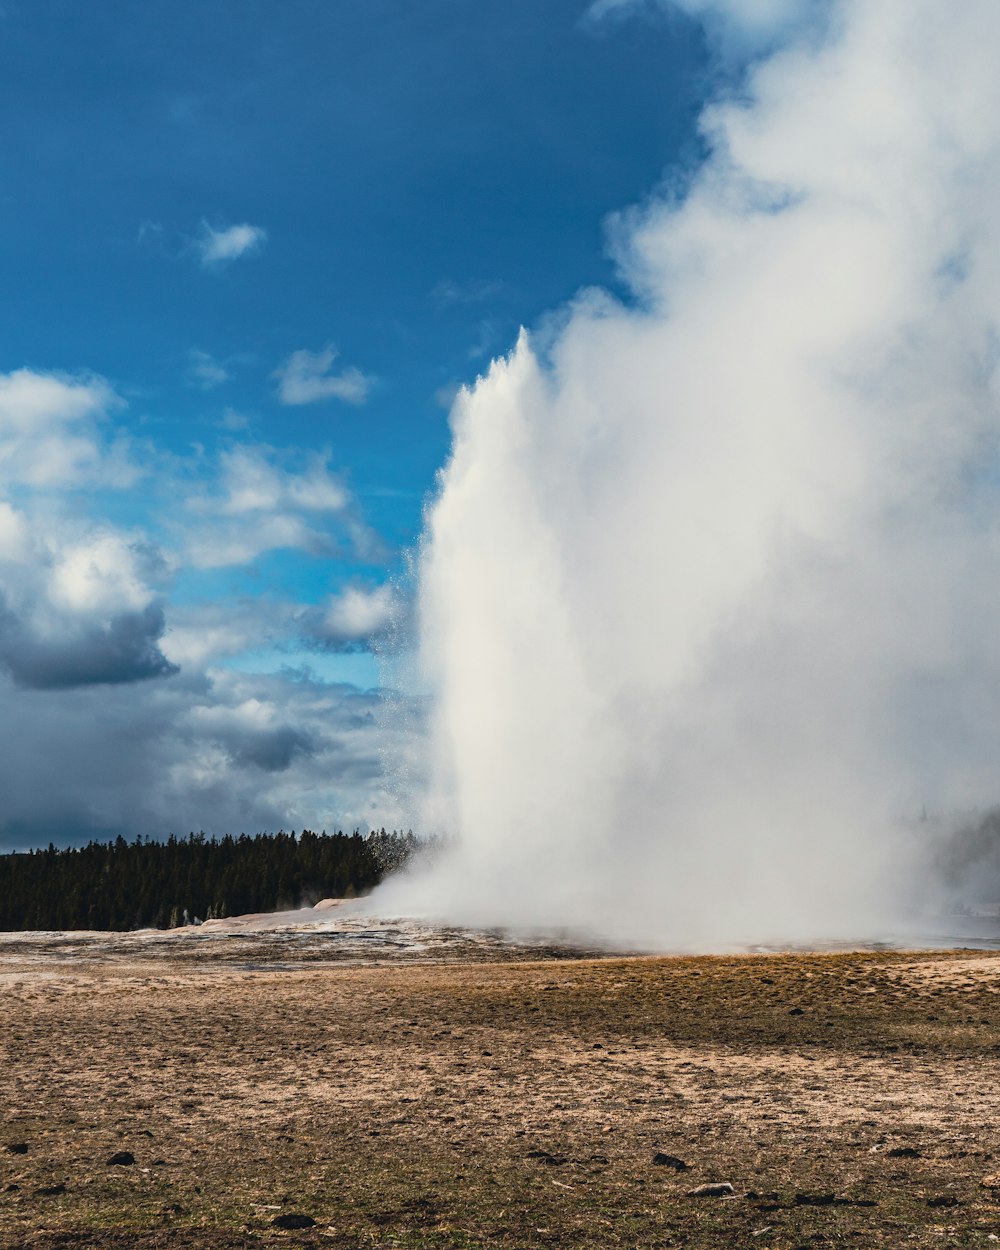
457 1098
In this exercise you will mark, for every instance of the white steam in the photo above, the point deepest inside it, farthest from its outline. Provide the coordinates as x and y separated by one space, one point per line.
710 597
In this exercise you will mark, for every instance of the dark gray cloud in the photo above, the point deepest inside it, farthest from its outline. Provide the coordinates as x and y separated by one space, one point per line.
271 750
227 752
123 649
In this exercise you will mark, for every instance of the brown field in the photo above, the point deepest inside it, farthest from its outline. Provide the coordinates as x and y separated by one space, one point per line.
459 1099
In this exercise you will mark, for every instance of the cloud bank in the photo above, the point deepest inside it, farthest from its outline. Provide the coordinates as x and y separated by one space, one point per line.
131 709
708 597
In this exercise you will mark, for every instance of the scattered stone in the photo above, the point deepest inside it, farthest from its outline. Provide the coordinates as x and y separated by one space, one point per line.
123 1158
17 1148
669 1161
293 1221
51 1191
718 1189
796 1011
815 1200
943 1200
903 1152
543 1156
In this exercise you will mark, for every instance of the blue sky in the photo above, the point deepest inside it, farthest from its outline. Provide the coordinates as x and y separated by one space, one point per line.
248 251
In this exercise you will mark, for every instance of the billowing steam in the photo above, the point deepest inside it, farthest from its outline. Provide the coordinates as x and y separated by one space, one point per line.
710 597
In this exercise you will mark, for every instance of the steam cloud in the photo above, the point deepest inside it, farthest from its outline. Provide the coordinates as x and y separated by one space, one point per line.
709 599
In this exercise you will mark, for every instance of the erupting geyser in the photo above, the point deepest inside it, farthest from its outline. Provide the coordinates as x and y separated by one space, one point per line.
709 598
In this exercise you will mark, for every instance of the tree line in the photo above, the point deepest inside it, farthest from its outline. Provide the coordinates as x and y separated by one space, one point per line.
123 885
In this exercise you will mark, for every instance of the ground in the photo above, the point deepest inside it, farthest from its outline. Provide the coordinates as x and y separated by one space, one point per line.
471 1095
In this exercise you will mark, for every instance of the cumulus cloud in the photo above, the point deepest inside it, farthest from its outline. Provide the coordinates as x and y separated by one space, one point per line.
220 245
77 611
124 647
354 617
306 377
52 432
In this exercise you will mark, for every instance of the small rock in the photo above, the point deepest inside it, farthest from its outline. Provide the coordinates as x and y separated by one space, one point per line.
543 1156
943 1200
17 1148
123 1158
293 1221
903 1152
669 1161
718 1189
796 1011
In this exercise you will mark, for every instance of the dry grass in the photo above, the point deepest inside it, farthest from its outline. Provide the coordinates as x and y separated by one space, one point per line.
510 1105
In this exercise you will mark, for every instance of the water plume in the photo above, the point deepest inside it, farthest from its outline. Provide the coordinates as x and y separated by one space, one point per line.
709 594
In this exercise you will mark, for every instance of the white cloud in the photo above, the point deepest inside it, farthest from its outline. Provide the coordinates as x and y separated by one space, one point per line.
233 421
233 542
253 481
104 573
204 371
356 615
305 377
220 245
52 432
15 539
262 501
29 401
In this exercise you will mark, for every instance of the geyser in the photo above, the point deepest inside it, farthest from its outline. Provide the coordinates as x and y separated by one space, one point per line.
709 596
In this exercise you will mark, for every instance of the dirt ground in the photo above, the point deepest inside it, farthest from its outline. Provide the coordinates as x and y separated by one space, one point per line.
849 1099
